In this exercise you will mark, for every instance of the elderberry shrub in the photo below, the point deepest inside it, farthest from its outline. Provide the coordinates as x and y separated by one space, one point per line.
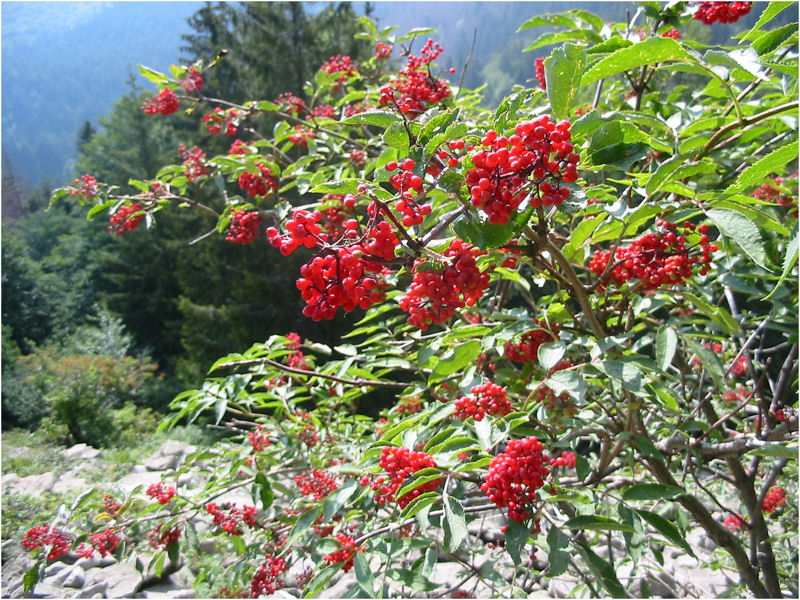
601 266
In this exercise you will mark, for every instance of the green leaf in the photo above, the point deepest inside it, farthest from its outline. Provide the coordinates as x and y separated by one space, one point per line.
769 13
667 529
550 353
419 478
157 564
626 373
718 314
567 381
264 490
484 235
455 360
789 261
558 559
741 230
651 491
32 577
663 173
773 39
414 33
755 174
666 345
603 571
343 186
377 118
648 52
364 576
563 70
573 35
267 106
160 79
303 523
397 137
418 503
547 21
596 522
320 581
777 450
455 527
516 537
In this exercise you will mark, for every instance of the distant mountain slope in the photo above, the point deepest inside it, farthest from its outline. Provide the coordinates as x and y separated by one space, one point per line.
67 62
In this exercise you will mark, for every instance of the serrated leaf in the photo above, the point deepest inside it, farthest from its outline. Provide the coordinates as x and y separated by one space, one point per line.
563 70
302 524
774 39
789 261
769 13
516 537
455 527
417 504
454 360
648 52
547 21
342 186
396 136
755 174
377 118
414 33
651 491
156 77
603 571
364 576
550 353
596 523
666 345
567 381
557 558
667 529
741 230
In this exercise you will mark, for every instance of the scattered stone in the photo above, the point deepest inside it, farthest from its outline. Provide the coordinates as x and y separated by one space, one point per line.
98 590
75 578
158 462
133 480
81 452
123 580
54 568
9 480
69 482
169 589
34 485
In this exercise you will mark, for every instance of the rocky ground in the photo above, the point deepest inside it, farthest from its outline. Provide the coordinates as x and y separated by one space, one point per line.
681 576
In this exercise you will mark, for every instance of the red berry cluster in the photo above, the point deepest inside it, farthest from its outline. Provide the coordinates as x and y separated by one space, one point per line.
125 219
530 164
45 535
258 184
104 542
229 516
309 434
527 349
739 366
195 162
193 82
658 258
239 147
303 230
399 464
740 394
339 64
337 209
723 12
165 102
383 51
409 405
301 136
408 185
345 554
341 277
566 460
158 491
356 108
317 483
358 158
415 89
486 398
294 340
771 193
259 439
222 120
243 227
539 66
735 522
672 33
291 103
110 505
268 577
87 186
163 538
515 475
297 360
774 498
545 395
435 294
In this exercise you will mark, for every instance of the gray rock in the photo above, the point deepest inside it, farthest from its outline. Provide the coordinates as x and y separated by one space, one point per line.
76 578
139 469
169 589
123 580
81 452
69 483
9 480
133 480
54 568
34 485
95 561
45 589
59 577
97 590
162 463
